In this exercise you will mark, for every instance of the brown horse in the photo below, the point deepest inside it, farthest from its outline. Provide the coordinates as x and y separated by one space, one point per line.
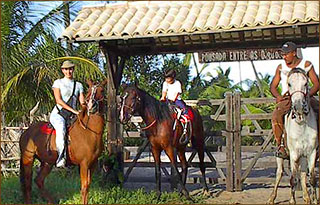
84 147
160 133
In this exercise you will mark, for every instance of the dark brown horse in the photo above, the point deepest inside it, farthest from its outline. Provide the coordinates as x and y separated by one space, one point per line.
160 132
84 147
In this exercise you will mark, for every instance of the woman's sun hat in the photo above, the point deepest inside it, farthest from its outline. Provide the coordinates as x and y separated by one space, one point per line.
67 64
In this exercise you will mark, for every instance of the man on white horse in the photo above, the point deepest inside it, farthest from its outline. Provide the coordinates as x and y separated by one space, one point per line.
292 59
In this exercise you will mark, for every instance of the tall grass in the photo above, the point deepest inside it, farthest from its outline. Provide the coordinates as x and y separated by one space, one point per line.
65 188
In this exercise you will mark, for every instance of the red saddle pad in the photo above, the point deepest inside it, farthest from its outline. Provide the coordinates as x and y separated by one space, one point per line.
45 129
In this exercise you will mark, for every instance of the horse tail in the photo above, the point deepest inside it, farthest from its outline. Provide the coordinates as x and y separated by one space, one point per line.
22 176
26 162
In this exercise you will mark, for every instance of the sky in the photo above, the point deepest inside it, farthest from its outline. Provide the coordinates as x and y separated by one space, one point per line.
244 70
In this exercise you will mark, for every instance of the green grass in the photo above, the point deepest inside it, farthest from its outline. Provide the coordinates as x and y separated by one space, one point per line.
64 186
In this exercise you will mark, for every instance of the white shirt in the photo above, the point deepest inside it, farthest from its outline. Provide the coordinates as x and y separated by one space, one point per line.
284 71
66 87
172 90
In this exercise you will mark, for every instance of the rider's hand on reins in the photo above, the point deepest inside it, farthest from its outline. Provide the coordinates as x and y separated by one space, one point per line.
279 99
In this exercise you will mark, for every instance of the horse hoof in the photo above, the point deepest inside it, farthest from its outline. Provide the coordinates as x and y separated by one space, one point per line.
186 194
158 196
307 201
206 193
270 201
292 201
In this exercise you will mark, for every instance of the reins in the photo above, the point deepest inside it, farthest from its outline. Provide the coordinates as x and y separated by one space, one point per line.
86 127
147 127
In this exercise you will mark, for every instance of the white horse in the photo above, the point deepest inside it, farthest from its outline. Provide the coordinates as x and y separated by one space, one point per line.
302 138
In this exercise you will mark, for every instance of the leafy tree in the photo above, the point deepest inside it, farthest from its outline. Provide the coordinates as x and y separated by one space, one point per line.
29 49
148 72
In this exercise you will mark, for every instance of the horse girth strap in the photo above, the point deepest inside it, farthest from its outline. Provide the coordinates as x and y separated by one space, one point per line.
147 127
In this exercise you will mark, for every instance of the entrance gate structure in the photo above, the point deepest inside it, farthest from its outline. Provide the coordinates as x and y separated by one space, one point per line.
150 28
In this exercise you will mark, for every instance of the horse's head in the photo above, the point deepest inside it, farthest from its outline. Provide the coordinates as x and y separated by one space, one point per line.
130 103
95 96
298 90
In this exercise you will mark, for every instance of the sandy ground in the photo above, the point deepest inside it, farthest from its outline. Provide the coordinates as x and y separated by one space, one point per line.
257 193
252 194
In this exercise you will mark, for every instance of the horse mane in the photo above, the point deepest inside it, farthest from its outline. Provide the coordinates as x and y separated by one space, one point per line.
159 110
298 70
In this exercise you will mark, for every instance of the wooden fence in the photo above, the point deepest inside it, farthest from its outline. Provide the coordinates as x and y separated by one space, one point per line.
232 110
10 153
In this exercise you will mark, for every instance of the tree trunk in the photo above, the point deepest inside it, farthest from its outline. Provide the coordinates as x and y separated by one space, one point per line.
258 80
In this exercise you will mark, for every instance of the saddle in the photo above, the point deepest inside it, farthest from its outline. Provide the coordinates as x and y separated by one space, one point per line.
48 129
185 117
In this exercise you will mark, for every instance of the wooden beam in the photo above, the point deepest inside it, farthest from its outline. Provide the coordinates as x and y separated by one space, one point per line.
119 71
153 49
255 159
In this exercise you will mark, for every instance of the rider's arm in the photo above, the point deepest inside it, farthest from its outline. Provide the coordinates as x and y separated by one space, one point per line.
82 100
274 84
314 79
164 95
164 92
59 101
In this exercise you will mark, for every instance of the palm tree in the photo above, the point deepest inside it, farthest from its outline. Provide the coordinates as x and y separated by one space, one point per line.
30 54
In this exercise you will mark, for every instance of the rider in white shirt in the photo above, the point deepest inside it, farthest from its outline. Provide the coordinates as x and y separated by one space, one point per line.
171 90
62 89
291 60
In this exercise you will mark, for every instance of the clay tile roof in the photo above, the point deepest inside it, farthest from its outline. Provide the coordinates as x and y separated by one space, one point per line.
150 18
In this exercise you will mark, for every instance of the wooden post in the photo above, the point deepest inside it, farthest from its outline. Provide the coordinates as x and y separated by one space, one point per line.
229 142
114 134
237 140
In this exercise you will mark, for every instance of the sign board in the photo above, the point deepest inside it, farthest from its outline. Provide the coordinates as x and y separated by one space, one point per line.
239 55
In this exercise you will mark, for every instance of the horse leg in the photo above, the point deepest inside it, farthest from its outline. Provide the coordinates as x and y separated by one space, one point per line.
184 165
303 174
278 179
84 177
45 169
312 180
26 163
156 156
200 150
294 168
170 153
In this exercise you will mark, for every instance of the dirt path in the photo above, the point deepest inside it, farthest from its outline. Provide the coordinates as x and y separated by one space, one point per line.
254 195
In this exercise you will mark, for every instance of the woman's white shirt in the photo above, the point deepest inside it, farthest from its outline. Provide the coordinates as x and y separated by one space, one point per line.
66 87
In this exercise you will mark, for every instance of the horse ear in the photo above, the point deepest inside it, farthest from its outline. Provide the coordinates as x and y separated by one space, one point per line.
124 86
104 82
89 82
136 84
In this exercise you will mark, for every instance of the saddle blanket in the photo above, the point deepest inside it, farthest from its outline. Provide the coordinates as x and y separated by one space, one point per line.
45 129
189 115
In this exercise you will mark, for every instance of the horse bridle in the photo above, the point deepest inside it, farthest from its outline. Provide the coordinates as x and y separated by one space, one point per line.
305 94
95 102
132 110
92 97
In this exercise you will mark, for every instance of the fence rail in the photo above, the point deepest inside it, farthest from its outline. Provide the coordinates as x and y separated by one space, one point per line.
232 110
